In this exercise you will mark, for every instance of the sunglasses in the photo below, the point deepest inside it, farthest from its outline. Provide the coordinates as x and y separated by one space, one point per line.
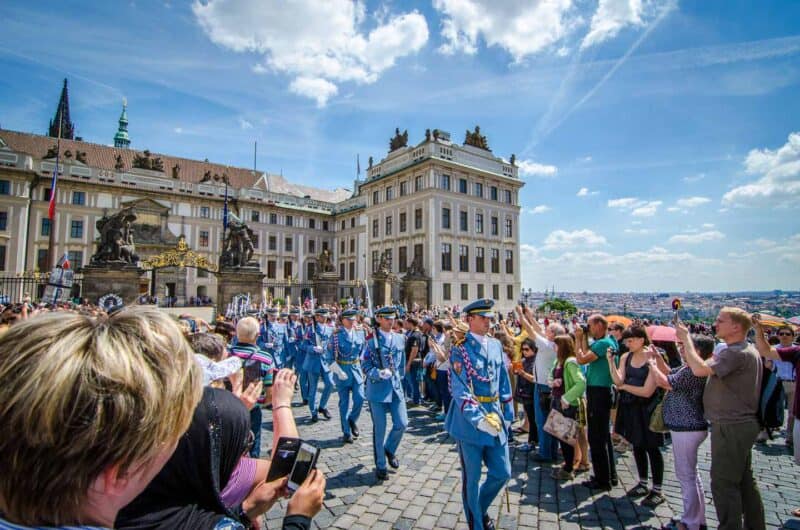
784 334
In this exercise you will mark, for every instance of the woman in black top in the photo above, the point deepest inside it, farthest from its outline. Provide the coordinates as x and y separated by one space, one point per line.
526 386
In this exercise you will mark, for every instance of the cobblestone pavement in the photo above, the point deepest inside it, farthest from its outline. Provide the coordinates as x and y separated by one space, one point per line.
426 491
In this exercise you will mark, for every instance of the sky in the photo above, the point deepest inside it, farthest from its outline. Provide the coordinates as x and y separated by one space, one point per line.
659 140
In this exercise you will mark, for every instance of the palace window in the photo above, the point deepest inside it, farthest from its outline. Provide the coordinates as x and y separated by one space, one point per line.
479 260
255 216
289 244
418 219
479 223
79 198
462 185
446 291
76 229
493 193
509 262
478 193
205 212
464 291
418 183
388 225
203 238
447 257
46 225
402 259
509 232
403 222
463 258
3 220
494 226
375 228
446 218
445 182
495 261
463 221
273 243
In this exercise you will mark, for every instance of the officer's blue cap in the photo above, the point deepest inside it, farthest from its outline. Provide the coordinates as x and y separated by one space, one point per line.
321 311
386 312
308 314
294 311
284 315
482 307
272 311
349 313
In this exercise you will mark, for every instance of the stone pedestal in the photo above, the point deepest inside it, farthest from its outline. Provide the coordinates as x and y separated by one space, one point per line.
415 291
238 280
326 288
121 280
382 289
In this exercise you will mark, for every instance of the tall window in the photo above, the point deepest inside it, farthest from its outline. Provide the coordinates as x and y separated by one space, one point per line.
312 246
445 218
205 212
418 252
41 260
341 247
479 260
287 269
464 291
510 292
402 259
376 197
404 188
272 269
375 259
508 228
388 254
325 226
76 229
493 195
495 291
342 224
509 262
447 257
463 258
352 245
45 192
203 238
3 258
352 268
462 185
341 271
418 183
288 244
375 228
495 260
403 222
273 218
494 226
507 196
5 189
463 221
79 198
75 258
479 223
481 290
446 291
388 225
312 224
273 243
255 216
352 222
289 220
418 219
324 246
3 220
445 182
478 193
254 240
389 193
45 231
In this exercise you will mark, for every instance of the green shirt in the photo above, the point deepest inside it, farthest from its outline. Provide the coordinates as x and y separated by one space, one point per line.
597 373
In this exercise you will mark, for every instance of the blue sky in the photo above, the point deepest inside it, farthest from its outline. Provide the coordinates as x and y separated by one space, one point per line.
659 139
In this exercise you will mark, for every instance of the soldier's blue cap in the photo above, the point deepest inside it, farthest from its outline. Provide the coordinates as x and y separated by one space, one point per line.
386 312
284 315
482 307
272 310
350 313
294 311
321 311
308 314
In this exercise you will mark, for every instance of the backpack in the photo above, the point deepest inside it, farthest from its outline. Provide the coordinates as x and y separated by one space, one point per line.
772 401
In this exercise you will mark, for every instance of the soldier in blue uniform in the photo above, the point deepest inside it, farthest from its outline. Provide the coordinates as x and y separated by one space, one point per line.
272 337
384 368
345 350
293 330
306 328
317 364
480 414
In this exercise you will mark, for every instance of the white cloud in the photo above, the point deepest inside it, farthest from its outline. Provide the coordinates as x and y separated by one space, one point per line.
317 44
542 208
178 130
244 124
584 192
612 16
708 225
778 182
638 207
648 209
638 231
624 203
528 168
692 202
520 28
559 239
699 237
694 178
763 243
675 209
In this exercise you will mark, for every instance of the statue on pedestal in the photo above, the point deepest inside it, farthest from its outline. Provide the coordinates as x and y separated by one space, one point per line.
324 263
476 139
116 243
237 249
384 265
399 140
416 270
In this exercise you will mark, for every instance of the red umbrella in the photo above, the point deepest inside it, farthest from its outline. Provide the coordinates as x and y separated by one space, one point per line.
663 333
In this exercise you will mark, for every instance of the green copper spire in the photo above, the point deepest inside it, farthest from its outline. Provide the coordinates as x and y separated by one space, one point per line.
121 139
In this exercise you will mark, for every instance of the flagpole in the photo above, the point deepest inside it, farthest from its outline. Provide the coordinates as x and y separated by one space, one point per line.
51 212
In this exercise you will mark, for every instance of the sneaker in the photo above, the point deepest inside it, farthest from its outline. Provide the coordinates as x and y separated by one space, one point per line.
525 448
592 484
639 490
562 474
653 499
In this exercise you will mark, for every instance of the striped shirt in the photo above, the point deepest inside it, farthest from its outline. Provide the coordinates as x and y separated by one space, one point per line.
5 525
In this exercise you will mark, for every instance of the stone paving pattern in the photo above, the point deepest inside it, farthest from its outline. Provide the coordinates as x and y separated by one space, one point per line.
425 492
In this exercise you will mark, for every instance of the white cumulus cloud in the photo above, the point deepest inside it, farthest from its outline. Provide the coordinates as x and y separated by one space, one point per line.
612 16
692 202
521 28
542 208
558 239
529 168
584 192
638 207
778 182
317 44
244 124
648 209
697 238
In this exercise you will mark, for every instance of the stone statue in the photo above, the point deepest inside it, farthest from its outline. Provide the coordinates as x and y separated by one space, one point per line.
116 243
416 270
384 266
144 161
436 134
206 177
324 263
176 171
80 156
513 159
427 135
399 140
237 249
118 164
52 151
370 163
475 139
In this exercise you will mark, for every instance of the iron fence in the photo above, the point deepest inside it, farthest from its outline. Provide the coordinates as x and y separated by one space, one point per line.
13 289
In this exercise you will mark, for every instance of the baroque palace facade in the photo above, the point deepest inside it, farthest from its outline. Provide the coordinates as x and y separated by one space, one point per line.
454 207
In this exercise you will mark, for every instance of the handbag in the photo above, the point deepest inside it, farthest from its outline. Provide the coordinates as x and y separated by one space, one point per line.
657 417
563 428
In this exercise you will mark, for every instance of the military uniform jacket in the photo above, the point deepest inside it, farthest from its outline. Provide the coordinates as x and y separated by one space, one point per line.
318 335
480 385
388 354
275 333
346 349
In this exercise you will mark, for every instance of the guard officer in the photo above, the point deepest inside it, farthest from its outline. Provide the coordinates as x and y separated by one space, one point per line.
480 414
272 337
384 368
317 364
345 349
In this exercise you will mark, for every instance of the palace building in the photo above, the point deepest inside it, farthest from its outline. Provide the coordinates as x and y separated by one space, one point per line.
453 207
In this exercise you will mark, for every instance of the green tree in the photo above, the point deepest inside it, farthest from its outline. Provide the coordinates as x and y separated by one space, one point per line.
558 304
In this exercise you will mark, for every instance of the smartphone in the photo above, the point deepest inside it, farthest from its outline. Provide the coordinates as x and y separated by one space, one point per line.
251 373
306 461
283 460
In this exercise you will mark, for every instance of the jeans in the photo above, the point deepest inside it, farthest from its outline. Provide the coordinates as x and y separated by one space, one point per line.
255 426
443 388
548 445
685 446
412 382
598 407
641 455
533 430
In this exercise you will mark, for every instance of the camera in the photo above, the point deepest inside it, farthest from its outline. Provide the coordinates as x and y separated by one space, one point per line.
585 328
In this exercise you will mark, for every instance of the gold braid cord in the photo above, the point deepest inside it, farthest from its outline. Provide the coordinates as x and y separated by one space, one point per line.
180 256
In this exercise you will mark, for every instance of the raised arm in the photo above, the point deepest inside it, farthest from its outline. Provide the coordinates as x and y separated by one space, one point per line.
693 360
583 354
763 347
618 374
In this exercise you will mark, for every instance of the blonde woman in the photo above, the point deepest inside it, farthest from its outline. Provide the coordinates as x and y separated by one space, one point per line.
569 384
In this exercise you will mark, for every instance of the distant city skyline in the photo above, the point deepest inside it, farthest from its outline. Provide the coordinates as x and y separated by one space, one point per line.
658 140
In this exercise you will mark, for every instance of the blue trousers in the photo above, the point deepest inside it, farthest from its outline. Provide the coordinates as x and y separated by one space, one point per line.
443 389
548 445
345 388
411 383
255 426
381 442
313 381
478 497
